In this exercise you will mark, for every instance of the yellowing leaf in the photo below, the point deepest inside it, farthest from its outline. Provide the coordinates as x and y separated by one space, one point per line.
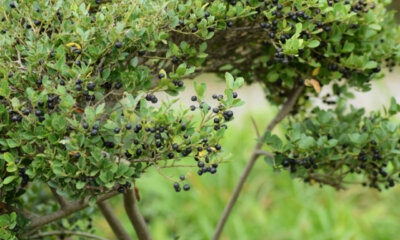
205 5
88 75
202 153
74 45
315 72
313 83
312 181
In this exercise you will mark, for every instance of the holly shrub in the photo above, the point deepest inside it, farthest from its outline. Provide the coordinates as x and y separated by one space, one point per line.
81 81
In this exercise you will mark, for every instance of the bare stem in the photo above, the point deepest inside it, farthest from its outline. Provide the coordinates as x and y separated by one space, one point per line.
285 110
38 222
113 221
135 216
60 199
55 233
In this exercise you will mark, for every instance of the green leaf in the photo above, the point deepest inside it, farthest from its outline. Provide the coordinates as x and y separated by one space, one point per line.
306 142
229 80
200 89
370 65
270 161
313 44
181 70
90 114
273 140
272 76
376 27
394 107
8 157
9 179
100 109
80 185
134 62
348 47
238 83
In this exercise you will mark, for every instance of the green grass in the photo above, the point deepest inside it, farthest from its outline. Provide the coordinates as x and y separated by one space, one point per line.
272 206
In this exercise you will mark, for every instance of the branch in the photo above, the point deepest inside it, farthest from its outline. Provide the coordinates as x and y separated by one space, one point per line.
113 221
137 220
285 110
38 222
82 234
263 153
60 199
9 208
255 127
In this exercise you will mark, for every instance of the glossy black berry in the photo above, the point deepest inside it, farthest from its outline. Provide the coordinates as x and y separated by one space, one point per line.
94 132
177 187
118 85
186 187
91 86
175 146
200 164
121 189
213 170
118 44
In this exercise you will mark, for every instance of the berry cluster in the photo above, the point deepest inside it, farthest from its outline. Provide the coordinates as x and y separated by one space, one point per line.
333 152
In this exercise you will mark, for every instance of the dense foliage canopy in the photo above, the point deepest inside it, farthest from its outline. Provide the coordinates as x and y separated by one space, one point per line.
80 82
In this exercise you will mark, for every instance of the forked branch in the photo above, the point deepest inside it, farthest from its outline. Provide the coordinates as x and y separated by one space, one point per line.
38 222
113 221
284 111
135 216
60 199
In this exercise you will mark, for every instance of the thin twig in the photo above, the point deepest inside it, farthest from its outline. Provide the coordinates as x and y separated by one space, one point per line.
38 222
161 173
136 218
60 199
55 233
263 153
255 127
285 110
113 221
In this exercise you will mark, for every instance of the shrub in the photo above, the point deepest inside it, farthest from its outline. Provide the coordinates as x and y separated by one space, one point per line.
80 82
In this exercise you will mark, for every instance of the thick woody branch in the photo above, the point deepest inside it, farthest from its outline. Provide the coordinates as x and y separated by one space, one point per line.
113 221
9 208
38 222
56 233
135 216
284 111
60 199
